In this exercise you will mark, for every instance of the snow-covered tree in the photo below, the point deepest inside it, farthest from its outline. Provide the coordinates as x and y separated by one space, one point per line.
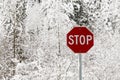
33 39
14 33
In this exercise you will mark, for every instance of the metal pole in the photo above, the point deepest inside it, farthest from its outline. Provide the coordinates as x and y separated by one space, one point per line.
80 66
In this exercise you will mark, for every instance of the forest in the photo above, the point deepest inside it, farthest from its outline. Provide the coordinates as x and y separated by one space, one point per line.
33 39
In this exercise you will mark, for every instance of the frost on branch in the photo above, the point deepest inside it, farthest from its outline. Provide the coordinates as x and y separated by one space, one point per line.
33 39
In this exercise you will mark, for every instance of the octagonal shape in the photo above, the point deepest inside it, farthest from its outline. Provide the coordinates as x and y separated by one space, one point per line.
80 39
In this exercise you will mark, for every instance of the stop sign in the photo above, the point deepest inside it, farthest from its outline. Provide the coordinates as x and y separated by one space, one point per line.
80 39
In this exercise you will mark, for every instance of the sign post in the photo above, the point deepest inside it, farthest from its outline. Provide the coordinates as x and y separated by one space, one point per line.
80 40
80 67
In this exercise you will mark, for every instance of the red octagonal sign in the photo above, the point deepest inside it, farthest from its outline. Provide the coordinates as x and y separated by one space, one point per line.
80 39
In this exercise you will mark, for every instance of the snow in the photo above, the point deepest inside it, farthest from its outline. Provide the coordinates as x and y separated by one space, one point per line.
45 54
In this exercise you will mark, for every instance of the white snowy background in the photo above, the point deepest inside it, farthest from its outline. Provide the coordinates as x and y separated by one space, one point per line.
33 39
